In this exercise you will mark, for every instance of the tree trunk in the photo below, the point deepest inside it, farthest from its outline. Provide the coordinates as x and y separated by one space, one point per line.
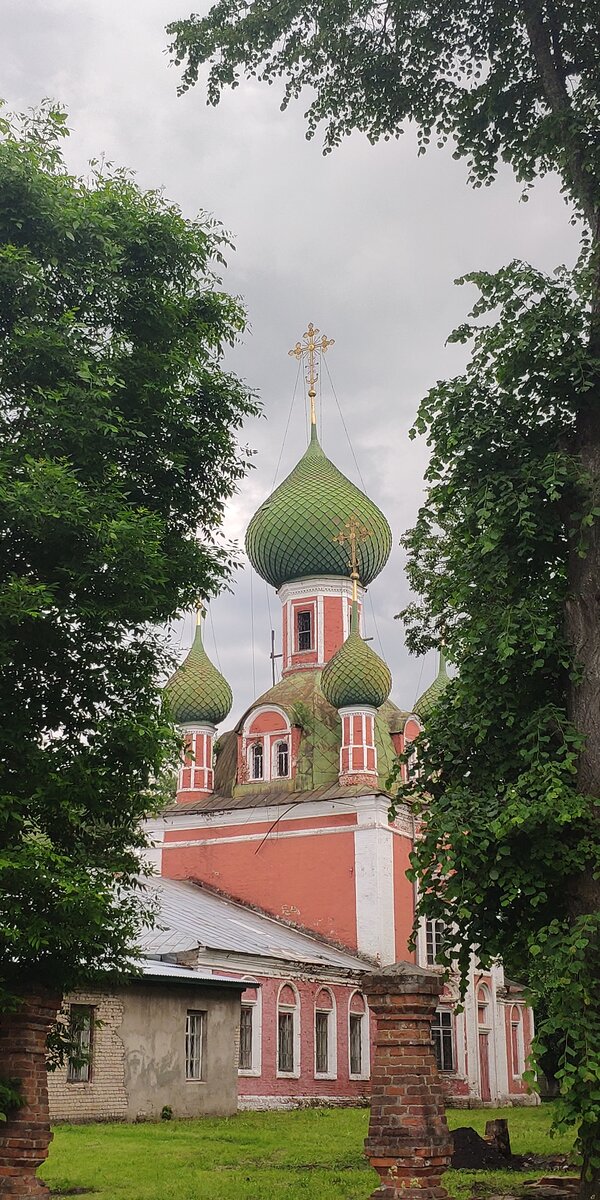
25 1137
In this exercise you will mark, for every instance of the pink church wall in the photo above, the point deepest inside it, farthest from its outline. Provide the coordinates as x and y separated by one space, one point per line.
309 881
403 900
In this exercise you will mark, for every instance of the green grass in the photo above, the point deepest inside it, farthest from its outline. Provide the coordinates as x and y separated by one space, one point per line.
262 1156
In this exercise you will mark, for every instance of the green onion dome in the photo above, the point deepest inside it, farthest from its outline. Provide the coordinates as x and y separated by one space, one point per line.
292 535
356 675
197 693
430 697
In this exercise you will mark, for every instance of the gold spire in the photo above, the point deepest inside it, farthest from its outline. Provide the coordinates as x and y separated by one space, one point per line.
308 351
200 614
351 534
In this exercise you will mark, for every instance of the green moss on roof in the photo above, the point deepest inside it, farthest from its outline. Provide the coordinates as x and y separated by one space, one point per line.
356 675
197 693
430 697
292 535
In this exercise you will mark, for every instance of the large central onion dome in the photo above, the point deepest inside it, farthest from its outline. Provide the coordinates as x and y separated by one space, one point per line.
197 693
292 535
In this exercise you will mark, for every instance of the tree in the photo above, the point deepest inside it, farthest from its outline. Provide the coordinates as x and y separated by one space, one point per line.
117 453
507 834
518 82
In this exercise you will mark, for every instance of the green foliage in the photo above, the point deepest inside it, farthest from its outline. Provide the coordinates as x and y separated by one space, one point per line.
505 831
10 1097
117 454
517 82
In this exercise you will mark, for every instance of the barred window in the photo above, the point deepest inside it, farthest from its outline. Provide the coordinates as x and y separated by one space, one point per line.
282 760
304 629
356 1034
257 761
81 1025
246 1022
285 1042
194 1045
321 1043
443 1039
435 937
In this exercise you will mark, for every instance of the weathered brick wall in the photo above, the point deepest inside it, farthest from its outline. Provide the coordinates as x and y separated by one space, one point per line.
103 1098
25 1136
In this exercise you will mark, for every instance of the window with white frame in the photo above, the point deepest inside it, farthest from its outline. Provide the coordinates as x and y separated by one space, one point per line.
435 936
287 1032
81 1026
325 1034
195 1034
257 767
442 1032
358 1046
304 633
516 1041
250 1032
281 759
483 1005
246 1029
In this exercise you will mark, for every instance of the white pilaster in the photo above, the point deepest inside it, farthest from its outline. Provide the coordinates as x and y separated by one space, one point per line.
374 880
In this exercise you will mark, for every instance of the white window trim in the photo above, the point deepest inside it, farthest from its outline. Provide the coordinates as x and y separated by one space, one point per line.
256 1006
299 606
331 1072
519 1066
197 1012
275 740
446 1008
295 1010
365 1038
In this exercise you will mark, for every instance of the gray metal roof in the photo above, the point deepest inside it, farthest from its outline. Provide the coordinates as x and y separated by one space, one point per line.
197 917
170 971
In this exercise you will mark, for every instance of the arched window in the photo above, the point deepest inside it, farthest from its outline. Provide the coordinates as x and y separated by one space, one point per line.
250 1031
288 1032
516 1041
483 1005
282 760
358 1037
256 761
325 1035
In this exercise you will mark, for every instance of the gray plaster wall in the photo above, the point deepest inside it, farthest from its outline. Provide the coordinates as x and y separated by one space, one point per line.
153 1037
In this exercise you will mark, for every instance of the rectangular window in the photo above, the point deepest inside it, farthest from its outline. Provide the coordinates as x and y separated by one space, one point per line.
194 1045
321 1043
285 1042
356 1024
434 940
81 1022
246 1019
304 630
443 1040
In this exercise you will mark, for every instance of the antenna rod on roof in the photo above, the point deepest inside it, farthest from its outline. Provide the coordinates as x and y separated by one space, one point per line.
273 656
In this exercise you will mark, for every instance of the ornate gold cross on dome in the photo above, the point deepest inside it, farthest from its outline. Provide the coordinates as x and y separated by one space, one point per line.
352 534
308 351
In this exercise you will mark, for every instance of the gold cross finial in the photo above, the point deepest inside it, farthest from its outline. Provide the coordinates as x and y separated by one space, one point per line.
352 534
309 350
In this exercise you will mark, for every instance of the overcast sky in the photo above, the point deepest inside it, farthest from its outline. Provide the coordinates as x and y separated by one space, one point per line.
365 243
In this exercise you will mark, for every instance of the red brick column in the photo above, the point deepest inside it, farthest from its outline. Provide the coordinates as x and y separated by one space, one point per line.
25 1137
408 1144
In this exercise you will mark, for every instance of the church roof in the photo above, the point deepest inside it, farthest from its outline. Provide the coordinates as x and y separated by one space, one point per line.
430 697
293 534
299 694
197 692
356 675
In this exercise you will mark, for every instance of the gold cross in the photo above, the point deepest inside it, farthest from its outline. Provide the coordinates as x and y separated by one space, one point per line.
352 534
311 348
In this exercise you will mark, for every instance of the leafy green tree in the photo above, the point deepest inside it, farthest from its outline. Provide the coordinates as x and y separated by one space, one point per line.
118 451
509 853
506 552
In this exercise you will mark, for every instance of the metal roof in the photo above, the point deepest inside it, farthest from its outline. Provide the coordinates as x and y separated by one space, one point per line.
201 918
170 971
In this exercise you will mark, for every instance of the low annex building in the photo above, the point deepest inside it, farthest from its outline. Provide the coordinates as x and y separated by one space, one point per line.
169 1039
288 811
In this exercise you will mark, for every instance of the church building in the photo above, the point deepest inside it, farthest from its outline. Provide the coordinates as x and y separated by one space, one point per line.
287 813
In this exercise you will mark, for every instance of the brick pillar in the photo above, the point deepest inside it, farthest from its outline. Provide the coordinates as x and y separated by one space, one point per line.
25 1137
409 1144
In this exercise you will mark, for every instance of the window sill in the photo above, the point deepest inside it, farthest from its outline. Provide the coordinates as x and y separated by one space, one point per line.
287 1075
325 1075
250 1072
203 1081
359 1078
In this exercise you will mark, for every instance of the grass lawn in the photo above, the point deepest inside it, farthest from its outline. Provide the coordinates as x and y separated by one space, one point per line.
263 1156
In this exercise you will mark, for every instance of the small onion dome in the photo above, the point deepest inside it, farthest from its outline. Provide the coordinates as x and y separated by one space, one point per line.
356 676
197 693
429 699
292 535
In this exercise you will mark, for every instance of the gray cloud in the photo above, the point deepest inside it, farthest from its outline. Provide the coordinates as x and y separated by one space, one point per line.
366 243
